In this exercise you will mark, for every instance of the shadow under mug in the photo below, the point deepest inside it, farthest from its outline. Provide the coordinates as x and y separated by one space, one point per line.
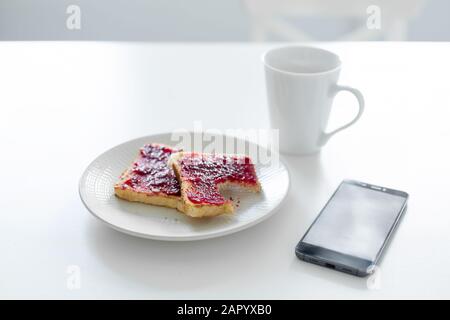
301 85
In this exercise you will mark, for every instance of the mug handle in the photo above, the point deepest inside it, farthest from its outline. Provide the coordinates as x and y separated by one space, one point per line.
359 97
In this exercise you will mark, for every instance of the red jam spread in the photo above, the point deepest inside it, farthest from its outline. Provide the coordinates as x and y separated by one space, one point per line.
205 172
151 173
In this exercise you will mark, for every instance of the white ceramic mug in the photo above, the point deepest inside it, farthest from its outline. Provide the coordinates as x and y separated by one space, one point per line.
301 85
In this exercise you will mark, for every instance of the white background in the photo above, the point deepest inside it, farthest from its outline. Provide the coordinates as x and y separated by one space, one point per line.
62 104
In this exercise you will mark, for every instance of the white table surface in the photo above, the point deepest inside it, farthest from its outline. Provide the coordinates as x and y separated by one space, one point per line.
62 104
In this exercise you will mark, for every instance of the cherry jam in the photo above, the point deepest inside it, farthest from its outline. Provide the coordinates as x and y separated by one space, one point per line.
150 172
206 172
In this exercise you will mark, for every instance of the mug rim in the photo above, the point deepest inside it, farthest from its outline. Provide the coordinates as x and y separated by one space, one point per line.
266 64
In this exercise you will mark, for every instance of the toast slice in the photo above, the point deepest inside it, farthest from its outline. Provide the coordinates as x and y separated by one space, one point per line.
150 179
202 175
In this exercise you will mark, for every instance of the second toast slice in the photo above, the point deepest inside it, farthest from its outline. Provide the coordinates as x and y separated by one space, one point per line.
202 175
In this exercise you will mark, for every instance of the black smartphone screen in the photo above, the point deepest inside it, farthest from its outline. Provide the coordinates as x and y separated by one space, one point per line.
353 227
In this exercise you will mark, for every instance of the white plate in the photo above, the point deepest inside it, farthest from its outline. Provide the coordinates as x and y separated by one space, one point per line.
97 194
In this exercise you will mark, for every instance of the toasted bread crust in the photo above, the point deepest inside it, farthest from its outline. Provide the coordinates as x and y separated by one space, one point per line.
149 198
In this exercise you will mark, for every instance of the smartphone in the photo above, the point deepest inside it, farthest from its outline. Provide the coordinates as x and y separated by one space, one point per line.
353 228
